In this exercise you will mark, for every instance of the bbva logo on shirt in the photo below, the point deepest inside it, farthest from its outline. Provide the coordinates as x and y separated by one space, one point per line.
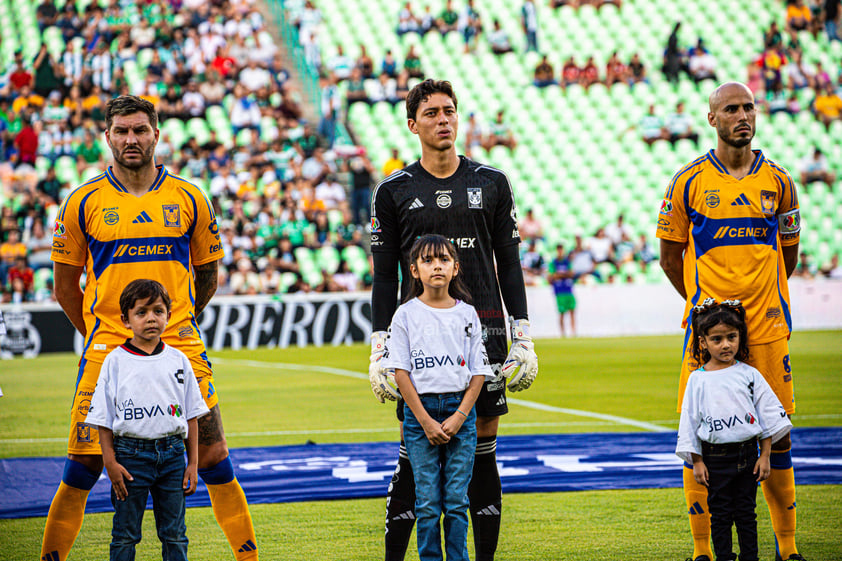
420 361
715 425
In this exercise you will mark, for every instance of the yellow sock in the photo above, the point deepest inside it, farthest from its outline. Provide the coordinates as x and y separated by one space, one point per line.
779 491
232 514
697 508
63 522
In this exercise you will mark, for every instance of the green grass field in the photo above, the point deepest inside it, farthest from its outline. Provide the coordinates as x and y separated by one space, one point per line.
273 397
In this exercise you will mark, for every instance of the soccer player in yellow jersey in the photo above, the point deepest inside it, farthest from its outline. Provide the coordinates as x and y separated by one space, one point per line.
729 228
137 220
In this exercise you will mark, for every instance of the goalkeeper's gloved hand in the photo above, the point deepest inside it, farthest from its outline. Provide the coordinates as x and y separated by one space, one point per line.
521 366
377 375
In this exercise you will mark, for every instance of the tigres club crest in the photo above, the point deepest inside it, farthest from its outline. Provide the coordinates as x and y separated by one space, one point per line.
767 202
172 216
474 198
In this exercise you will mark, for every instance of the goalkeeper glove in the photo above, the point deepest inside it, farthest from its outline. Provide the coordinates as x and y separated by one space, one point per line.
521 366
378 376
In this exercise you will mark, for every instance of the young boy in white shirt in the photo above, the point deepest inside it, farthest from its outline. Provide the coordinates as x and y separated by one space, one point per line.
146 404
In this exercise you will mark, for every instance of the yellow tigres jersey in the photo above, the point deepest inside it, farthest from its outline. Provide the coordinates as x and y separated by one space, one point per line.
119 237
734 230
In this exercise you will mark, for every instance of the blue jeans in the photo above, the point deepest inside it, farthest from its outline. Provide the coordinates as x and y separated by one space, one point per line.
157 466
442 474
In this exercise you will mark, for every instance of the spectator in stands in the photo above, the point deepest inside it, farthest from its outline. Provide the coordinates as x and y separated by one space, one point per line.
362 177
499 39
254 77
10 250
799 17
46 14
615 70
26 143
815 167
644 252
680 126
355 88
581 262
393 164
402 86
499 134
600 248
530 228
772 62
532 263
340 64
772 37
472 135
412 63
48 74
244 279
470 25
88 153
637 71
589 74
832 270
407 22
570 73
562 278
345 279
651 127
828 106
616 231
332 193
389 67
701 64
39 246
832 14
20 76
529 23
674 57
21 280
193 102
50 186
365 63
821 78
448 19
798 76
544 73
331 105
776 101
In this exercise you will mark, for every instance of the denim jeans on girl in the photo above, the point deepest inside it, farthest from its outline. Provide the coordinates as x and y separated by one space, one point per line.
157 466
442 474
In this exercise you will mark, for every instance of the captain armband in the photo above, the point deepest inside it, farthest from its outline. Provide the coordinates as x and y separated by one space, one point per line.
789 224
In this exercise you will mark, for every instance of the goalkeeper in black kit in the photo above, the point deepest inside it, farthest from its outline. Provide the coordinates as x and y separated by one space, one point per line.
473 205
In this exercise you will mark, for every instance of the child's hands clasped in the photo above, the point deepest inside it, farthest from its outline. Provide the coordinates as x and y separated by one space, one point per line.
762 468
435 433
117 473
452 424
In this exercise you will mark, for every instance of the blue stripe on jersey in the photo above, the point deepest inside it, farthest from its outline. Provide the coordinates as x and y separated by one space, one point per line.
716 163
139 250
682 171
113 181
691 212
162 174
195 213
82 225
82 364
711 233
784 306
757 163
94 330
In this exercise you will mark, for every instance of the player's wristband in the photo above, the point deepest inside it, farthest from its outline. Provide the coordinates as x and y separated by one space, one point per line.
463 414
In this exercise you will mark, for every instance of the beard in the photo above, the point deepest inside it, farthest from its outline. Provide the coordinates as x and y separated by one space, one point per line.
735 141
145 157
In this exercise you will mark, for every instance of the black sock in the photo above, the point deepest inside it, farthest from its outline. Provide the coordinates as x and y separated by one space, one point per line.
486 498
400 509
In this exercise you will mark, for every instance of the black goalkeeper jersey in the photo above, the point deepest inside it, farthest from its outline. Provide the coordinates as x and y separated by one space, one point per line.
474 208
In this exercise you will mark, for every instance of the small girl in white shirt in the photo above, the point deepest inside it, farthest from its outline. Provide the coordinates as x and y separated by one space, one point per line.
436 349
727 407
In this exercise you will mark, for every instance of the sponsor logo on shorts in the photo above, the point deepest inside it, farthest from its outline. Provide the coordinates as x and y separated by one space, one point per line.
84 407
85 394
172 216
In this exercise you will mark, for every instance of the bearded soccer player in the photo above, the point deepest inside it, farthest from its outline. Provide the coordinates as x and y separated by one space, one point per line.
473 205
137 220
729 227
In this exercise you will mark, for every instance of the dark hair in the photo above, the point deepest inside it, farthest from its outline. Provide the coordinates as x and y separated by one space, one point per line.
143 289
434 245
710 314
422 92
127 105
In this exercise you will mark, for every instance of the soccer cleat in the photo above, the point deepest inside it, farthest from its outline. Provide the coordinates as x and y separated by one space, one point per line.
699 558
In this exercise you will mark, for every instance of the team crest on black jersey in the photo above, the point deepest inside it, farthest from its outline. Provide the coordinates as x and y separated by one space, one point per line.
172 216
474 197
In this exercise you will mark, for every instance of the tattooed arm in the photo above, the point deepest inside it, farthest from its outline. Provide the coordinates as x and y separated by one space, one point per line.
206 279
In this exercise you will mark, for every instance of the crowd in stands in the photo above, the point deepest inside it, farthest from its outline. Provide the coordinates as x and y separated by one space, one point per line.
274 181
588 74
610 255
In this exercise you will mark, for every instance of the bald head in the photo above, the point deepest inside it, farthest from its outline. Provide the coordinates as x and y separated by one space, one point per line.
720 93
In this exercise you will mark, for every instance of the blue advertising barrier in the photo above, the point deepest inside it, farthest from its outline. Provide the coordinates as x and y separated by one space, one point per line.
528 464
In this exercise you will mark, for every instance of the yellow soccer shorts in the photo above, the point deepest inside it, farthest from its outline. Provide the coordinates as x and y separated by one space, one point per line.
771 359
84 438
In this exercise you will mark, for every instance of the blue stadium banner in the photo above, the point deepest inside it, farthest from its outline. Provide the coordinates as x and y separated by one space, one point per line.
234 322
